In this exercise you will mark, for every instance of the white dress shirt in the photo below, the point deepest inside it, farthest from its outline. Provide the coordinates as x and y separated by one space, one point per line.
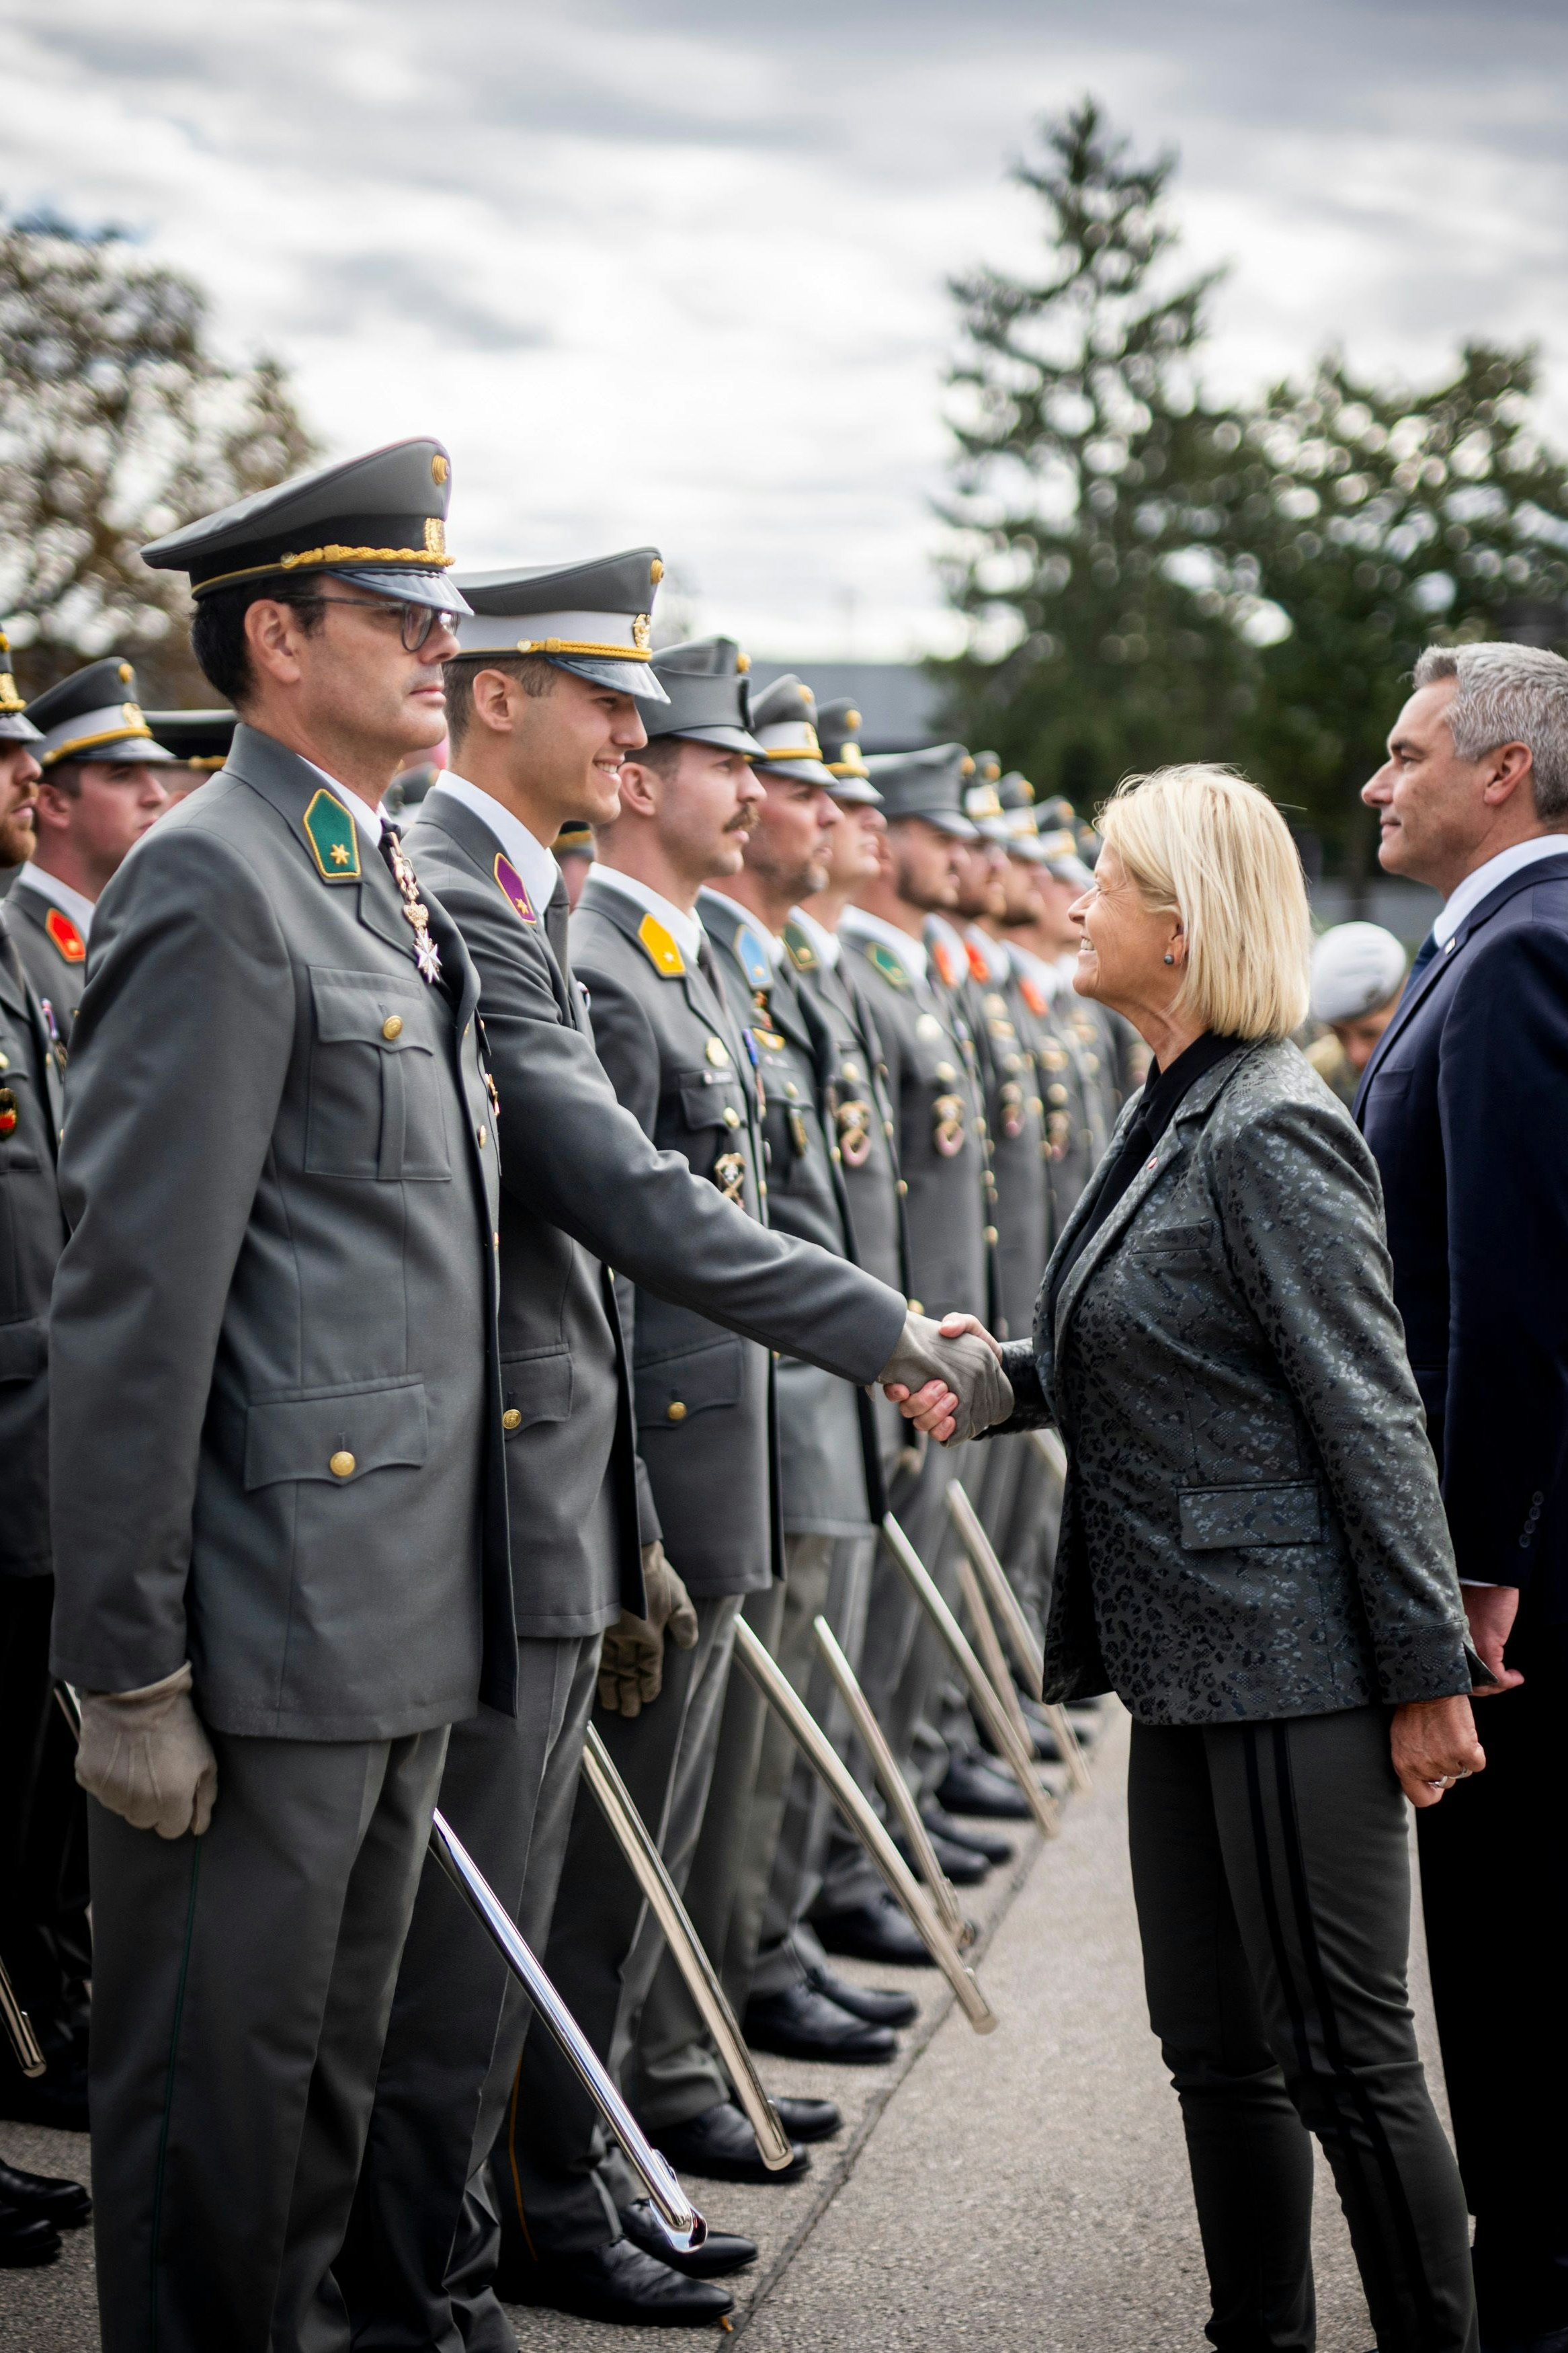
533 859
1468 894
684 928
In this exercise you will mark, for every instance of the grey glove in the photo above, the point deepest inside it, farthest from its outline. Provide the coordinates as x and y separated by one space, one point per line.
145 1755
969 1366
631 1663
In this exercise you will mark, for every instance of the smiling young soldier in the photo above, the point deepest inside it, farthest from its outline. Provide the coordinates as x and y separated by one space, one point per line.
280 1541
105 782
547 697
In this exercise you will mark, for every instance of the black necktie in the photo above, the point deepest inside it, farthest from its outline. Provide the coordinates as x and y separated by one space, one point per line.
1424 955
557 916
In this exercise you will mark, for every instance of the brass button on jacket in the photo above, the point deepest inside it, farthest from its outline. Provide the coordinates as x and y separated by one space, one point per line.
511 1419
675 1410
393 1025
341 1464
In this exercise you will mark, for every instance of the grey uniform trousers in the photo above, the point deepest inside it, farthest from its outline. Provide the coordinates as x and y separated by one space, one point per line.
550 2168
242 1983
1271 1863
424 2243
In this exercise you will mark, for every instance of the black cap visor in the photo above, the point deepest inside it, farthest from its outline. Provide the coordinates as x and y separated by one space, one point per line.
436 589
623 676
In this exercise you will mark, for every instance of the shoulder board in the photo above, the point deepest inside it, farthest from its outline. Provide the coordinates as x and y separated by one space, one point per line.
979 966
946 961
658 946
334 838
880 958
512 888
752 957
1034 996
63 936
802 954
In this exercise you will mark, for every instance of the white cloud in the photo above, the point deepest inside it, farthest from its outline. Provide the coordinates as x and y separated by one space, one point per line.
683 280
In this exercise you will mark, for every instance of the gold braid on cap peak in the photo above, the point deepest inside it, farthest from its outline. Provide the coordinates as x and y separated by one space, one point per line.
9 698
576 645
431 557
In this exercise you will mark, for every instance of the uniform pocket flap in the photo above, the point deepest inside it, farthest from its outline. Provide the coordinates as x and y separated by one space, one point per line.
535 1389
1216 1519
23 1349
677 1387
711 1102
367 1008
336 1435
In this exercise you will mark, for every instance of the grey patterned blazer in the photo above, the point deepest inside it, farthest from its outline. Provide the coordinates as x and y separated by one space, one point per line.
1252 1525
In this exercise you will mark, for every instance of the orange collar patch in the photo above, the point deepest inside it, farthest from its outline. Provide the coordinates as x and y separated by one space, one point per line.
66 936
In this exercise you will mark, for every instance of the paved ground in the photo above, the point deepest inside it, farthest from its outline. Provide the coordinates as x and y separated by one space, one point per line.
1026 2188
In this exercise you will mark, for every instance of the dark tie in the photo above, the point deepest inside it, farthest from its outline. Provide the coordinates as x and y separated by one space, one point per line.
557 916
1424 955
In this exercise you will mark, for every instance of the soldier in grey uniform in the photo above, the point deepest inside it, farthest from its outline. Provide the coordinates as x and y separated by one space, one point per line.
536 736
699 1399
277 1487
104 784
43 1878
941 1146
830 1473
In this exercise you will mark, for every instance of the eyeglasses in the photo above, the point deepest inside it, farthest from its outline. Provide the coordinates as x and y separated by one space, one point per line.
418 620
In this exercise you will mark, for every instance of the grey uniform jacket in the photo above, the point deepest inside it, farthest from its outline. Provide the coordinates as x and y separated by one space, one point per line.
277 1443
940 1139
1252 1525
32 1231
853 1077
48 944
675 1061
1016 1116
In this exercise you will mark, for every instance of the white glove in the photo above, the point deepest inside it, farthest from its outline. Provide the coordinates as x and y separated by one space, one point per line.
969 1364
146 1754
631 1663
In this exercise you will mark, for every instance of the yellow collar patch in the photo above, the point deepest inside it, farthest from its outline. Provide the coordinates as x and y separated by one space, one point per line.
660 947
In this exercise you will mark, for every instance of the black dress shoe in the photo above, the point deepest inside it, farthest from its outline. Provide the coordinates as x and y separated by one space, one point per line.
881 2004
963 1866
66 2204
800 2023
990 1843
809 2119
618 2282
874 1932
720 2251
972 1787
25 2239
720 2146
1043 1746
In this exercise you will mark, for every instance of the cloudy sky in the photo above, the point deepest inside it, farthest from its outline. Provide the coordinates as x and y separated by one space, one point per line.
676 272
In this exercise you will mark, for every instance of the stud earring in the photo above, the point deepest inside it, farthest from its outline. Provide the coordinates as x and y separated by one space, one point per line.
1170 959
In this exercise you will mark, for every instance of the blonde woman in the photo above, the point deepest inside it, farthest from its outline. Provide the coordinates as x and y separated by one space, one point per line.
1254 1555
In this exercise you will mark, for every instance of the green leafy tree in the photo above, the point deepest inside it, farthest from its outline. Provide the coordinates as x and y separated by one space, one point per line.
1394 518
116 423
1098 553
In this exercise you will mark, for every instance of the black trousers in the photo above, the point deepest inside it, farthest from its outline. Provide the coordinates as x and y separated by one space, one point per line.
1494 1887
1270 1867
45 1941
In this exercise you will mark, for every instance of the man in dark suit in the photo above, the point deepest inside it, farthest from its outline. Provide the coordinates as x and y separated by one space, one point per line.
1462 1104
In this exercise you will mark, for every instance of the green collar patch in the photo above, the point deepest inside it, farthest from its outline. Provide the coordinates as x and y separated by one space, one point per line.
803 955
882 959
334 838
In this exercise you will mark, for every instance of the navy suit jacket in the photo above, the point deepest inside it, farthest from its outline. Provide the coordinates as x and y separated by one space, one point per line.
1465 1105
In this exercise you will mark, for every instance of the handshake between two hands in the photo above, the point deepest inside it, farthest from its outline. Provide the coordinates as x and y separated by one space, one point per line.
947 1377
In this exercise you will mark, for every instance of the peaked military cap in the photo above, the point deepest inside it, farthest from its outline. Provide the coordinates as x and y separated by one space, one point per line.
379 521
783 718
929 783
709 694
200 738
94 715
16 727
576 839
983 802
838 732
1020 822
592 618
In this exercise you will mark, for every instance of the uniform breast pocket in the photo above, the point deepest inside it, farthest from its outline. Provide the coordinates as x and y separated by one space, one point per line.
378 1104
712 1109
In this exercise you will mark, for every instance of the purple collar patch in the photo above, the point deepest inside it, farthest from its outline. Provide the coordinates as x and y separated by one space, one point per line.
511 887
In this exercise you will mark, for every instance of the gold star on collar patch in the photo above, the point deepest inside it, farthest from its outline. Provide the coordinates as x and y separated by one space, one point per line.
334 838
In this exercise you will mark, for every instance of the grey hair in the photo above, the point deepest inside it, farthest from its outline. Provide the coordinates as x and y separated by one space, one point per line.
1508 694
